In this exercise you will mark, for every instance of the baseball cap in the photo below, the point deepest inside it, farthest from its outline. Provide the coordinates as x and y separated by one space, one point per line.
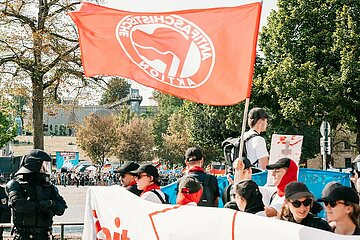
127 167
193 154
329 187
296 190
340 193
147 168
246 188
281 163
189 184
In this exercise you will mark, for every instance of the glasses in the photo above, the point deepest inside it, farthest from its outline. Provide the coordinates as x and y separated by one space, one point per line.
332 203
307 202
140 176
277 171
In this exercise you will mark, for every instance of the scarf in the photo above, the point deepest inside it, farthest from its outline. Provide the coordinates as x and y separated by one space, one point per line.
289 176
149 188
196 169
132 183
185 198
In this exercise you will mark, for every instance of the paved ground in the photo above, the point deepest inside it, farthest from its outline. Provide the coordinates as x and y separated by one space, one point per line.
75 199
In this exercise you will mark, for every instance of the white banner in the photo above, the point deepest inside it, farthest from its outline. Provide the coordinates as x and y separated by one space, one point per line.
285 146
113 213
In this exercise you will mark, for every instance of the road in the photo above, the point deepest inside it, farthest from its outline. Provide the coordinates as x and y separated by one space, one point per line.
75 199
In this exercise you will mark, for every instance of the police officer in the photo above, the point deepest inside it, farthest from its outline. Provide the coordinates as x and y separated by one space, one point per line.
5 213
34 200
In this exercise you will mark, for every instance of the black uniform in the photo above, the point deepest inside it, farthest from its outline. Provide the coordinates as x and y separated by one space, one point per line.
34 200
5 213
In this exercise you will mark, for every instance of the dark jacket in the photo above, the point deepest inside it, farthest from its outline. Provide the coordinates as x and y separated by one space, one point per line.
316 222
34 201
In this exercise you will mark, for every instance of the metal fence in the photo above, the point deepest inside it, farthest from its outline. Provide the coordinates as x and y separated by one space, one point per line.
57 224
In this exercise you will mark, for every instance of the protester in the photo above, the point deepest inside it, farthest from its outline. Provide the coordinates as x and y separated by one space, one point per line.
284 171
148 181
297 205
194 160
189 191
5 212
128 179
229 191
256 150
34 200
342 208
248 198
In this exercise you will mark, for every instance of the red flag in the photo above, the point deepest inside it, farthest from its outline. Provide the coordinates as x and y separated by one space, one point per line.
206 55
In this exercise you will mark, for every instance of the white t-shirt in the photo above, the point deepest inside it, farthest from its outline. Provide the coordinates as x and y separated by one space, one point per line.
268 193
152 197
255 147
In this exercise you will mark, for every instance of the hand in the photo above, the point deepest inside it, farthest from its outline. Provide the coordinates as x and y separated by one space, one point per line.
45 207
238 165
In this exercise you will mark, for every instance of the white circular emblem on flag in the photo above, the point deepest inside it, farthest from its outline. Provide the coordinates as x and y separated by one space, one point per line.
170 48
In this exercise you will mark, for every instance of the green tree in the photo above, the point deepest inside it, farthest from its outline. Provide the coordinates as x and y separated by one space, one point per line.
304 67
167 105
7 126
176 140
38 44
116 89
136 141
98 137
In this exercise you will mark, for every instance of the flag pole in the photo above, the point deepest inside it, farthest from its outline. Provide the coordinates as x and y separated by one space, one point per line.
246 109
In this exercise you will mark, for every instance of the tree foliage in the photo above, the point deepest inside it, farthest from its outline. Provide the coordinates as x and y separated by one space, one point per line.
136 141
39 45
98 137
176 140
312 62
7 126
116 89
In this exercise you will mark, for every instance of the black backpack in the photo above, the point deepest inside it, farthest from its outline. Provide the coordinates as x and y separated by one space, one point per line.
163 201
207 198
231 148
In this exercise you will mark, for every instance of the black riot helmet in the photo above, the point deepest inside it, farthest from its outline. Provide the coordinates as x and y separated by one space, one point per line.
37 161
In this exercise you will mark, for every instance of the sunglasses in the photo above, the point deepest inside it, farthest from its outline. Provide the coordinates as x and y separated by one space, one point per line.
307 202
141 175
332 203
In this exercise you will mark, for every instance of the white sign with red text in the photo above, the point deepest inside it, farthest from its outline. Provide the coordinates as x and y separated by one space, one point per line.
113 213
285 146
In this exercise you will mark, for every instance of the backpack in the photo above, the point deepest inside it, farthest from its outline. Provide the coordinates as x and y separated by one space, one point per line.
207 198
163 201
231 148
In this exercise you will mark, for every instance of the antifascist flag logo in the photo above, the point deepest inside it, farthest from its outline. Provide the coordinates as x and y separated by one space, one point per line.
145 40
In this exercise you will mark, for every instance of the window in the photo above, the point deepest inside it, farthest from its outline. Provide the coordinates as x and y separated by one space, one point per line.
347 162
347 145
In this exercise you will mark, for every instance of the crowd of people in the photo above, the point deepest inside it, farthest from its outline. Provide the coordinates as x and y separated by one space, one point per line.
285 198
94 178
34 198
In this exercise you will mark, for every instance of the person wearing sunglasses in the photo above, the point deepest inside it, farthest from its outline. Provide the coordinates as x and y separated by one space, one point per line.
297 205
342 208
148 181
128 179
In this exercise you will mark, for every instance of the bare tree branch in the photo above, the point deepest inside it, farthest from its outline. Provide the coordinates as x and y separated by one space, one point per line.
64 8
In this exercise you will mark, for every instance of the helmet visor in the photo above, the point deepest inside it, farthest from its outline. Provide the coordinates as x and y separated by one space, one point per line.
46 167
